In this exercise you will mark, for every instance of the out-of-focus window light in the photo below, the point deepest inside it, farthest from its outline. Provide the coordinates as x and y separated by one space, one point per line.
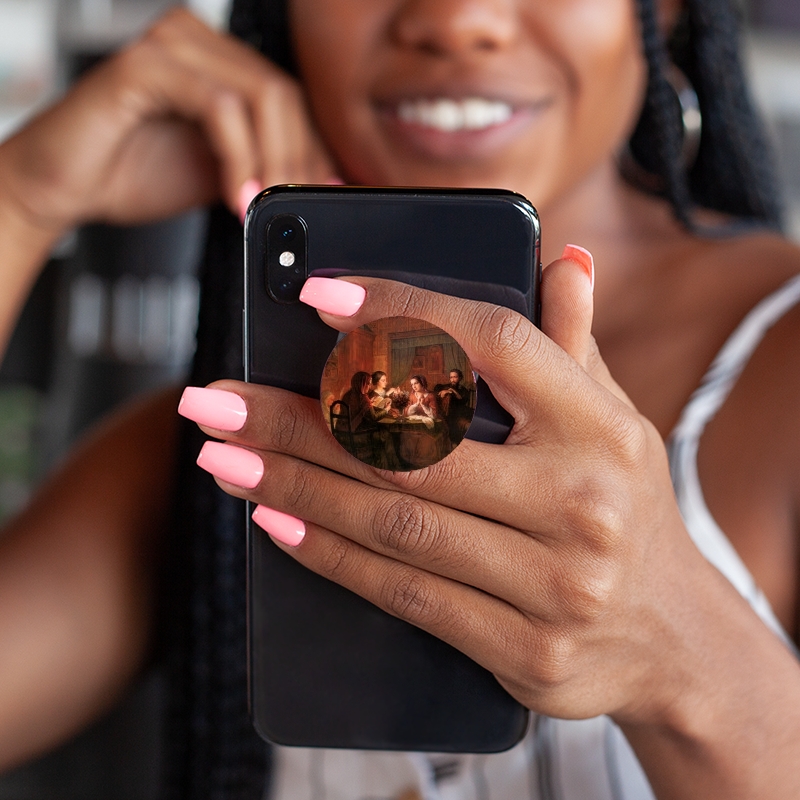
773 59
27 58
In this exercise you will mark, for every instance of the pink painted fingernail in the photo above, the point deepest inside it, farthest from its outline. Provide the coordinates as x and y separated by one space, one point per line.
580 255
280 526
250 188
334 296
232 464
216 408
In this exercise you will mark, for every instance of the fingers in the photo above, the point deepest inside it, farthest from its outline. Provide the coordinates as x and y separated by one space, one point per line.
559 497
417 532
567 311
286 147
567 303
449 610
178 118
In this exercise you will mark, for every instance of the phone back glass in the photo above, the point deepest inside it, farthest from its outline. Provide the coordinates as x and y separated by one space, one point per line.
327 668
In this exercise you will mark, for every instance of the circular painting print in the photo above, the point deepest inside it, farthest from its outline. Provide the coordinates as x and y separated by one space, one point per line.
398 394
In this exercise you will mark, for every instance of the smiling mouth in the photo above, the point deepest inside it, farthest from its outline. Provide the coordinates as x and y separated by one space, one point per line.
451 116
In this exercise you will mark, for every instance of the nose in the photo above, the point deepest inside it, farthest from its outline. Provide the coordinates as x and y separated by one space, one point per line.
450 27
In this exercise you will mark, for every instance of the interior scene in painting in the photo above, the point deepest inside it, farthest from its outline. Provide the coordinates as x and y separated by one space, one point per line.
398 393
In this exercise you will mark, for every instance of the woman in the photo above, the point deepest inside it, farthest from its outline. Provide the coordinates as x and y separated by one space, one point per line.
424 444
421 401
563 561
381 396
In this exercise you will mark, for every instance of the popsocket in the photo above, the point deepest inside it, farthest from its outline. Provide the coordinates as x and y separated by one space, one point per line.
398 393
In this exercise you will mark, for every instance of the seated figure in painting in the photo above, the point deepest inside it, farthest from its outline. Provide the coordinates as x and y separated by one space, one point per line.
422 402
379 395
362 436
424 443
454 401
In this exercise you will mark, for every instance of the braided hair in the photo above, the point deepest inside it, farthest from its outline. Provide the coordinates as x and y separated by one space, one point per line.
211 749
733 172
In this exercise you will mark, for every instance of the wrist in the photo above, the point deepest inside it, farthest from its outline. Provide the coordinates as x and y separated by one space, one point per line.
729 689
25 245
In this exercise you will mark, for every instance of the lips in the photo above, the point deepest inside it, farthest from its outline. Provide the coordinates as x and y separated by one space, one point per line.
452 129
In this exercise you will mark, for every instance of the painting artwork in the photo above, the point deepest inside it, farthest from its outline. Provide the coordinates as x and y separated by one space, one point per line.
398 394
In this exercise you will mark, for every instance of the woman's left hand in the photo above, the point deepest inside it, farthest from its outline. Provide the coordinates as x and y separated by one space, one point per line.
557 560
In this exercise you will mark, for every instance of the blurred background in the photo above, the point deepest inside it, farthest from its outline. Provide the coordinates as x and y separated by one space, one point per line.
114 314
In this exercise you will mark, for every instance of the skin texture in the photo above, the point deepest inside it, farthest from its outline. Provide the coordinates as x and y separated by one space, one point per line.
577 585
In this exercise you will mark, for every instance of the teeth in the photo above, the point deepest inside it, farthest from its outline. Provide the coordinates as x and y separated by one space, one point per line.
447 115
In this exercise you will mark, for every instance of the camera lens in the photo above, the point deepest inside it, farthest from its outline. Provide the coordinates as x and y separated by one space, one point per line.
286 257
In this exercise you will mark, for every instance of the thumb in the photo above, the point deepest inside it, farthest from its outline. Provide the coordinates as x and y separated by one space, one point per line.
567 311
568 304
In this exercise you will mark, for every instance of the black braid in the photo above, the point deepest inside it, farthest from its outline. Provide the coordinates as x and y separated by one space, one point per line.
656 142
212 751
733 172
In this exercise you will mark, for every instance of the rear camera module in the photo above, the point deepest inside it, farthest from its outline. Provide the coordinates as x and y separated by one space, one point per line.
286 267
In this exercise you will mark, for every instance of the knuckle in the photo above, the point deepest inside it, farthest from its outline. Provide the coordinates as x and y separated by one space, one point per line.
299 489
594 514
406 525
288 429
412 598
167 27
334 560
627 438
511 334
408 300
552 663
589 592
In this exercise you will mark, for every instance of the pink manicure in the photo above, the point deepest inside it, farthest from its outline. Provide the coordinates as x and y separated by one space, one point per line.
334 296
250 188
232 464
216 408
580 255
280 526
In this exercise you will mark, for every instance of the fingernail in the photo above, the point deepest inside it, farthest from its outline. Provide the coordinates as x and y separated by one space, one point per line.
336 297
280 526
250 188
334 180
232 464
580 255
216 408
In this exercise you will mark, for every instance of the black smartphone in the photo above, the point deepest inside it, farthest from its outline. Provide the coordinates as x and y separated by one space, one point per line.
327 668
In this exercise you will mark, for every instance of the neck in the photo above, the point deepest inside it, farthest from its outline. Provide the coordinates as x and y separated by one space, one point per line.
604 214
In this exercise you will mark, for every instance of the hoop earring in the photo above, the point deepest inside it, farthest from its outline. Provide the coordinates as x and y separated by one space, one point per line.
691 121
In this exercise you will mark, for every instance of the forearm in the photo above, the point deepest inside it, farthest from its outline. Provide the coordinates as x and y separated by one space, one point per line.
24 248
732 731
77 578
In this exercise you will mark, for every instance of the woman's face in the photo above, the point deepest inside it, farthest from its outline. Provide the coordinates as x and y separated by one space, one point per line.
415 385
382 382
530 95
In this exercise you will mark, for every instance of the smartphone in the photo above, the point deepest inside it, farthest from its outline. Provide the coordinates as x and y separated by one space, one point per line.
327 668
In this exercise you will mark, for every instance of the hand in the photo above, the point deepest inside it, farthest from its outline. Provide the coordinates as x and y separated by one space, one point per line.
551 559
179 118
